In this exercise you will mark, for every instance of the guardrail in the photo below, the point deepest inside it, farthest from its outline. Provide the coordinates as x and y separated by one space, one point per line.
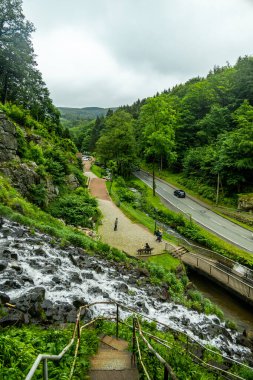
185 341
213 270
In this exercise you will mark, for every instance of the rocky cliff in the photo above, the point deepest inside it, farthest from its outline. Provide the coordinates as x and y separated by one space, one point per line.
8 140
23 176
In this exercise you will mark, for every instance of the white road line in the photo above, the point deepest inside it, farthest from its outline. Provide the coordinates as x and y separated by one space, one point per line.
217 222
204 225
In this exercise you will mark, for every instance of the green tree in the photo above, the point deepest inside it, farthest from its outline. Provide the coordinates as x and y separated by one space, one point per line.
117 142
159 120
20 81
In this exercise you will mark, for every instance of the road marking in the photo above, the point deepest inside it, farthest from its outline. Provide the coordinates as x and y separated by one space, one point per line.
191 207
217 222
204 225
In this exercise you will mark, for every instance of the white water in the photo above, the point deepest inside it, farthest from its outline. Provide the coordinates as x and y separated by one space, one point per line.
103 287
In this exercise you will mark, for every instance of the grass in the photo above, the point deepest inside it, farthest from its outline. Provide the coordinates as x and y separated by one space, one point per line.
97 170
208 239
166 261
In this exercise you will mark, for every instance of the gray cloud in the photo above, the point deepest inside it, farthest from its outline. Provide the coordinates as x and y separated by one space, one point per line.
111 52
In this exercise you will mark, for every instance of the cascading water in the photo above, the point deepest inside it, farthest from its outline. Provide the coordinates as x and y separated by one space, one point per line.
30 261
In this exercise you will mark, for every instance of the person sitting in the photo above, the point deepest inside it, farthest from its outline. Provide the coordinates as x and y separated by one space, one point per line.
147 246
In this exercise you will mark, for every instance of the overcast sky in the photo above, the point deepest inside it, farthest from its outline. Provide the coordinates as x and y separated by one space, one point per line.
108 53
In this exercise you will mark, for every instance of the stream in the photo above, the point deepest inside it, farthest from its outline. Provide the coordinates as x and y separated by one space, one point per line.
34 273
232 307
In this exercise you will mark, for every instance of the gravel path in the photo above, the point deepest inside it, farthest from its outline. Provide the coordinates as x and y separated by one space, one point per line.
129 236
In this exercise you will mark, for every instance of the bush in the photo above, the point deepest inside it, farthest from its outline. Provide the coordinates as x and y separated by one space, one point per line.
77 210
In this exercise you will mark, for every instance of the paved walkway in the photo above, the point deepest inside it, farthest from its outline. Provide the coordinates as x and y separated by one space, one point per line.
129 236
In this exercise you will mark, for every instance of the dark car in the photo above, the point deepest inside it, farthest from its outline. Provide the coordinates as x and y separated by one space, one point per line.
179 193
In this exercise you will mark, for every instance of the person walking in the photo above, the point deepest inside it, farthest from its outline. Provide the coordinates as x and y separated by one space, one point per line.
116 224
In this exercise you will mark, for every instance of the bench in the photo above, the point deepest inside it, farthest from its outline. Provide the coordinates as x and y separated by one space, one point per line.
144 251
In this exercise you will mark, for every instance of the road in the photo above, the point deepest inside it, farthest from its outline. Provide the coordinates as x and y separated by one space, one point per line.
222 227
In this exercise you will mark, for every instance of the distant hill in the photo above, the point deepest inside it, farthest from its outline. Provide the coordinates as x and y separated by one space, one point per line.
86 113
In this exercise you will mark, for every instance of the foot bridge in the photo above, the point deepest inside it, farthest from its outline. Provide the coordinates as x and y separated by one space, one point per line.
231 275
118 359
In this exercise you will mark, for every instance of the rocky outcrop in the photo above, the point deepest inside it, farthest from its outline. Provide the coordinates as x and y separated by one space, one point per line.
245 202
72 182
22 175
8 140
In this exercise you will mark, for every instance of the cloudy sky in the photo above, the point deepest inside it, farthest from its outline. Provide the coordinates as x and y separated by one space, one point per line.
108 53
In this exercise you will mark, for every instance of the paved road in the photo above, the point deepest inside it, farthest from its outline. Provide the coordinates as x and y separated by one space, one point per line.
229 231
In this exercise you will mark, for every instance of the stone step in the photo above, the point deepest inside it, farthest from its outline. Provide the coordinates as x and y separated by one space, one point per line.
117 344
126 374
111 360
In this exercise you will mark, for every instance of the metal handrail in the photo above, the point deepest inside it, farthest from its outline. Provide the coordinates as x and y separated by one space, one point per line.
77 332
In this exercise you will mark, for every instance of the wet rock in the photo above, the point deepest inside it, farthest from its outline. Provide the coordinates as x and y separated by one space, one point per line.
4 298
88 276
40 252
31 301
164 295
5 232
71 316
3 265
49 269
14 256
122 287
27 279
95 290
78 302
56 280
19 232
75 277
141 305
245 341
5 253
143 272
16 267
11 284
35 263
13 317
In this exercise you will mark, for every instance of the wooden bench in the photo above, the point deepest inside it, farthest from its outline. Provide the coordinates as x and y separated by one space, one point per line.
144 251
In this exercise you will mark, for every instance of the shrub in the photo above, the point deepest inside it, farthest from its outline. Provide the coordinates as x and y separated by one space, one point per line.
75 210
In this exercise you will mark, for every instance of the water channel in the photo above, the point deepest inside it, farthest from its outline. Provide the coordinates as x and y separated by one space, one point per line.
233 308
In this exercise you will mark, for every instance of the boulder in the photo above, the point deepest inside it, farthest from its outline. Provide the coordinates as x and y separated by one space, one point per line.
122 287
4 298
3 265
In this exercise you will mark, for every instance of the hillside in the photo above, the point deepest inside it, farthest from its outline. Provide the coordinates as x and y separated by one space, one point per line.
86 113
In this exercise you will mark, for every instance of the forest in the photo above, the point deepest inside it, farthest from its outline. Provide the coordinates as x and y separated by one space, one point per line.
202 129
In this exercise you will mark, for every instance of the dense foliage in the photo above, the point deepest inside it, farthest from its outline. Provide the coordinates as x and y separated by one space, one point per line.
20 80
202 128
19 348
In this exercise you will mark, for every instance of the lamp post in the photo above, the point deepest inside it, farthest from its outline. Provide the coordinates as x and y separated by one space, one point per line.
155 210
